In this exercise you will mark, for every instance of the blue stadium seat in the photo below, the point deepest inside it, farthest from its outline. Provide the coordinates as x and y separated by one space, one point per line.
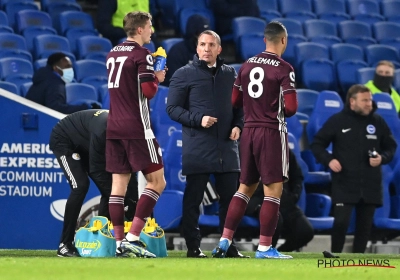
23 90
28 19
345 51
162 123
327 40
294 126
301 16
396 81
369 19
3 18
47 5
288 6
308 50
90 45
9 87
19 80
356 7
270 15
31 33
306 99
168 43
89 68
318 207
382 218
10 42
267 5
74 20
162 91
352 29
346 71
362 42
186 13
39 63
385 32
331 6
327 104
365 74
74 34
168 210
293 27
290 54
247 25
387 110
335 17
390 10
250 45
183 4
49 43
106 101
16 54
11 67
376 53
315 177
77 93
318 27
6 29
55 9
12 8
172 158
150 46
102 91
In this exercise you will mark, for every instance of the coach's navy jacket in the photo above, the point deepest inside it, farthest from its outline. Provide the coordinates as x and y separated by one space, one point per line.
193 93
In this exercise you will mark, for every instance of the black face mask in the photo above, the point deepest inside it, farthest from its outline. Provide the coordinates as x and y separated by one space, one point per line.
383 83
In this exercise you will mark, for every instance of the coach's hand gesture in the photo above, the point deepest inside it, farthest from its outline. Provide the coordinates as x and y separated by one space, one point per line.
208 121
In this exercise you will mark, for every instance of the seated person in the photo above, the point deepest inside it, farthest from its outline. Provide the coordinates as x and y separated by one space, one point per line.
383 80
48 86
182 53
226 10
110 15
293 225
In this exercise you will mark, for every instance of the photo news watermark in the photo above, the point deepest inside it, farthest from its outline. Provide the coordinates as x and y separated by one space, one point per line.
342 263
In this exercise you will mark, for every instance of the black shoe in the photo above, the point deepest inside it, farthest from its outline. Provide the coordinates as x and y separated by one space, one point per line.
67 250
196 253
234 253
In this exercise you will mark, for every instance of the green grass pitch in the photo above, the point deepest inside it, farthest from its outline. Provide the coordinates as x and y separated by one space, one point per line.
30 264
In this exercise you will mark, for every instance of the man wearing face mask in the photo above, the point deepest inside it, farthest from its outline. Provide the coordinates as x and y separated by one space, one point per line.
48 87
383 80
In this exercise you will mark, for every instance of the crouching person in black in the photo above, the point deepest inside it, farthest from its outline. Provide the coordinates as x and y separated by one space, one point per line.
78 142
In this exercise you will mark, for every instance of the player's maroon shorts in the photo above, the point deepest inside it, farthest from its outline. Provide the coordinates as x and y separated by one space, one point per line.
133 155
263 153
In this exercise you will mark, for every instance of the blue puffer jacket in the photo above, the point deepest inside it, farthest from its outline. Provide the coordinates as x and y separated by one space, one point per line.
194 92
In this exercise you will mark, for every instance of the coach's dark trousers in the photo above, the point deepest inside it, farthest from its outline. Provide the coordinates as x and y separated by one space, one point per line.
364 217
226 185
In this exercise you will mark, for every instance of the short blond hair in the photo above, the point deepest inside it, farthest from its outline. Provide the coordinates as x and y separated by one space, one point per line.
385 62
134 20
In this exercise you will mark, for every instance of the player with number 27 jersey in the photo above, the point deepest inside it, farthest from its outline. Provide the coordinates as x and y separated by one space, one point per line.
263 82
130 72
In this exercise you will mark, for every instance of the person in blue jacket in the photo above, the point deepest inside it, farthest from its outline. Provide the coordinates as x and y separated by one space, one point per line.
200 99
48 86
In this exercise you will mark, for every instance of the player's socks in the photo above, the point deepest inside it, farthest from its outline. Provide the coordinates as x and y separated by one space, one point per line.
130 237
269 215
262 248
236 210
145 206
116 208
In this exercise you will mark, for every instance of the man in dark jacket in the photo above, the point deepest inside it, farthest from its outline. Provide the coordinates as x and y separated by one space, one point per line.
182 53
200 99
362 142
78 141
293 225
48 87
